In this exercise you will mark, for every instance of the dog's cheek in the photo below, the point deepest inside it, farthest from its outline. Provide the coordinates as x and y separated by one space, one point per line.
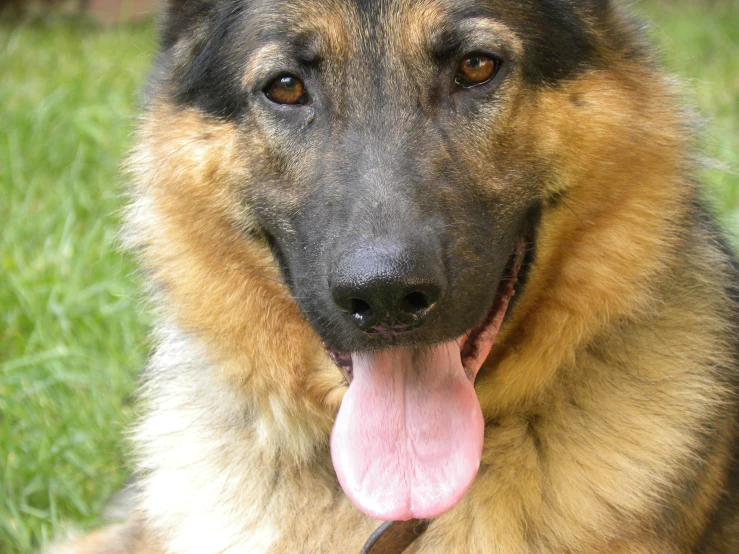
191 227
614 156
599 125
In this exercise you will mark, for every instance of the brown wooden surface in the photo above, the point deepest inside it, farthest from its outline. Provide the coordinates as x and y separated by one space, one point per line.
105 11
110 11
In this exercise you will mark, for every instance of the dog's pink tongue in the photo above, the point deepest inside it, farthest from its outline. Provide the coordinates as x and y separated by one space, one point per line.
408 437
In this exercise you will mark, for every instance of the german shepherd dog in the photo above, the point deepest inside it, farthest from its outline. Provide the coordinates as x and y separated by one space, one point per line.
431 261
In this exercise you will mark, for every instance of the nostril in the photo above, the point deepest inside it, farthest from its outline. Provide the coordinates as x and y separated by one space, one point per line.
362 313
359 307
414 303
386 288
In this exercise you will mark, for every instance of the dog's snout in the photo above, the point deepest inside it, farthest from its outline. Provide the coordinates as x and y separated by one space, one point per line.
387 289
391 306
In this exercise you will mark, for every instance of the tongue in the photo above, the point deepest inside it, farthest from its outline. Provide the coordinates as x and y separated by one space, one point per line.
408 437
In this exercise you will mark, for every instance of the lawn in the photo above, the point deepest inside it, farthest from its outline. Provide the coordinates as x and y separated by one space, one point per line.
73 334
700 42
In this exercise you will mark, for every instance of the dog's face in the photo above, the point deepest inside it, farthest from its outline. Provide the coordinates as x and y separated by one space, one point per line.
389 167
394 156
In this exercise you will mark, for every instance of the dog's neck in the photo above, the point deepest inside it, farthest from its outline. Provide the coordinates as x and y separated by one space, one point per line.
251 462
395 537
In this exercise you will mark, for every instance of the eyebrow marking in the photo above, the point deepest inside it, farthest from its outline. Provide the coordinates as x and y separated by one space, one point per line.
268 55
492 27
445 34
304 37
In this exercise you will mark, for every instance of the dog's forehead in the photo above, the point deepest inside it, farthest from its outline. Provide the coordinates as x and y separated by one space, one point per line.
342 26
236 45
552 34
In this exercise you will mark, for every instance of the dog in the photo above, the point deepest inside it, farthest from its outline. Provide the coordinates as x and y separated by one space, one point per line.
437 263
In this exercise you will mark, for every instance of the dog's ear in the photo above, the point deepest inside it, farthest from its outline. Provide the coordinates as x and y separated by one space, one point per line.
596 6
195 59
598 10
185 18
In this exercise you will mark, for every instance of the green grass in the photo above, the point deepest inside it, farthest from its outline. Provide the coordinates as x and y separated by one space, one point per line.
700 43
73 336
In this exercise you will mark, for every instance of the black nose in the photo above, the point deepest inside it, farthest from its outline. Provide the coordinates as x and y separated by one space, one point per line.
387 288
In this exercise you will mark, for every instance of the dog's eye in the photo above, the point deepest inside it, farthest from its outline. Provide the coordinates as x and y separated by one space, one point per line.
476 69
286 90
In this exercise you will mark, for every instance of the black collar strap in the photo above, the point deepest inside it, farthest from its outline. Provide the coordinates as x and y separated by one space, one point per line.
394 537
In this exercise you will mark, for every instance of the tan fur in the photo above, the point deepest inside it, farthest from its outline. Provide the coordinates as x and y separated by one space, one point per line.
126 538
596 394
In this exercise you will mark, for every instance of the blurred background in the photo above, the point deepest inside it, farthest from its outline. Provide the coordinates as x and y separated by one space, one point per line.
73 333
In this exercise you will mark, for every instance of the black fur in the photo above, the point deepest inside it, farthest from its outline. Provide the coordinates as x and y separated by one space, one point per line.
558 45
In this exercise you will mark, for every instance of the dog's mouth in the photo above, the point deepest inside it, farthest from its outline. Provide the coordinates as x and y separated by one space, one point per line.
476 343
408 438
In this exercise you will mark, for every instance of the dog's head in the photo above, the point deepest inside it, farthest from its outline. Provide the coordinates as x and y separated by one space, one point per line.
391 171
394 158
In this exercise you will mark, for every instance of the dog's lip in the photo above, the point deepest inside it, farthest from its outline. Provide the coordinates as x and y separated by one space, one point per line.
342 360
472 349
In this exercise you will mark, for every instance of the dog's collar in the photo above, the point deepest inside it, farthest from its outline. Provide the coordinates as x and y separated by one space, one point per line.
394 537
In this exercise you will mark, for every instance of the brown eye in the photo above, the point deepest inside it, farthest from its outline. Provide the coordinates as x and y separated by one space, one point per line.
475 70
286 90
